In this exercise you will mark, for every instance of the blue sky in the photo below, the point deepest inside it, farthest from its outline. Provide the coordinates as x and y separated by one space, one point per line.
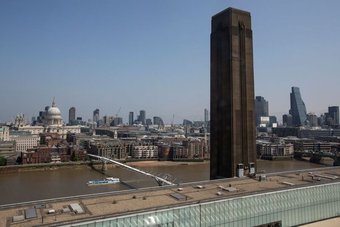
155 55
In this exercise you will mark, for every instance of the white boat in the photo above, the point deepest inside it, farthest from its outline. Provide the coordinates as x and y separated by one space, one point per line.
108 180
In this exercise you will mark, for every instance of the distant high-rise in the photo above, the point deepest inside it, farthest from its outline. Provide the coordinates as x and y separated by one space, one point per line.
272 120
232 123
117 121
287 120
96 115
71 115
206 117
297 107
333 113
261 109
131 120
158 121
312 120
148 121
142 117
187 123
107 120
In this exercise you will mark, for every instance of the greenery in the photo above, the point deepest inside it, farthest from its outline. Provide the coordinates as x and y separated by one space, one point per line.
3 161
74 158
19 160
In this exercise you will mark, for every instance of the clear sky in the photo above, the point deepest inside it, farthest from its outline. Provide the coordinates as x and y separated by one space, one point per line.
155 55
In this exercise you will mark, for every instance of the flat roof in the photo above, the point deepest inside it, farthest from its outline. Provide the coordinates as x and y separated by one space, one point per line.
30 213
113 204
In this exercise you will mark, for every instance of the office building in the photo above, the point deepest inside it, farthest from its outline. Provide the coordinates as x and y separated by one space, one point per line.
131 120
24 141
71 115
117 121
148 121
333 114
321 120
232 115
272 121
142 117
261 109
96 116
7 150
187 123
206 117
4 133
107 120
312 120
287 120
158 121
297 107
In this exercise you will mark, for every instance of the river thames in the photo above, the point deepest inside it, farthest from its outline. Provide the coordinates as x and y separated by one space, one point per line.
46 184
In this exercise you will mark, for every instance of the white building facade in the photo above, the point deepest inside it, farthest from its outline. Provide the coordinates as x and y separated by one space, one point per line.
4 133
145 151
25 142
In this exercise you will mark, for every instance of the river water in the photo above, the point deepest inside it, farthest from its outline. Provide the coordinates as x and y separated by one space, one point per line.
61 182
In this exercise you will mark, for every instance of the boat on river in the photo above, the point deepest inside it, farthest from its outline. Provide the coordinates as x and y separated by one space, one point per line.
108 180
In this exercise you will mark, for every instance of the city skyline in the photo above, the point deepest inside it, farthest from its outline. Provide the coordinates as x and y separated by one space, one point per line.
89 56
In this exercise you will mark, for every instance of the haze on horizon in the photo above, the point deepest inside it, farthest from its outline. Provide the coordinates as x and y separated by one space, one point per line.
155 55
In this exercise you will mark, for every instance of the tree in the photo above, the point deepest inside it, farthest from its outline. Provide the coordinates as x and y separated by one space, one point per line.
3 161
19 160
74 158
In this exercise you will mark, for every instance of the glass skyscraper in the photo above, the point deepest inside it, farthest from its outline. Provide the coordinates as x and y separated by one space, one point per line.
333 113
297 107
261 109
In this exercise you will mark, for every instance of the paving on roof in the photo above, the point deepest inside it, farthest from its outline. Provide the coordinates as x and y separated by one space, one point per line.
98 206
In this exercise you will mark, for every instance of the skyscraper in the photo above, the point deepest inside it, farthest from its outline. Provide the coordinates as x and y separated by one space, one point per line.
297 107
287 120
71 115
107 120
96 115
148 121
158 121
312 120
261 109
333 113
131 120
232 120
206 117
117 121
142 116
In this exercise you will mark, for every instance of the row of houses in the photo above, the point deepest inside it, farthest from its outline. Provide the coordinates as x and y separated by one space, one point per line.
285 147
53 149
161 149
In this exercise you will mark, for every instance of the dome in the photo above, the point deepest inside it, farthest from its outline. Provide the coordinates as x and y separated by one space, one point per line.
53 111
53 115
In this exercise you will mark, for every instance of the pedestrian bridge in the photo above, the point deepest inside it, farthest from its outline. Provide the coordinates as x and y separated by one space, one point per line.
160 181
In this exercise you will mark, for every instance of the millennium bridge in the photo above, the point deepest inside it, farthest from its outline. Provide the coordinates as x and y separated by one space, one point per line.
316 156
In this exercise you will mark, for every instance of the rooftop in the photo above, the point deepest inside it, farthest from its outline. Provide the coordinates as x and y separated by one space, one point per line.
104 205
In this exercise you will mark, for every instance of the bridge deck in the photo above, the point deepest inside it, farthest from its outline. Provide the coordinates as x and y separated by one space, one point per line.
125 202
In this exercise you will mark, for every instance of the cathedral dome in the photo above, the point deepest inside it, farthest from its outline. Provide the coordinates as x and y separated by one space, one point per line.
53 112
53 115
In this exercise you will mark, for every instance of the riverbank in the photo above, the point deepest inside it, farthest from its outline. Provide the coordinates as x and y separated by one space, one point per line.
137 164
55 166
153 163
41 167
